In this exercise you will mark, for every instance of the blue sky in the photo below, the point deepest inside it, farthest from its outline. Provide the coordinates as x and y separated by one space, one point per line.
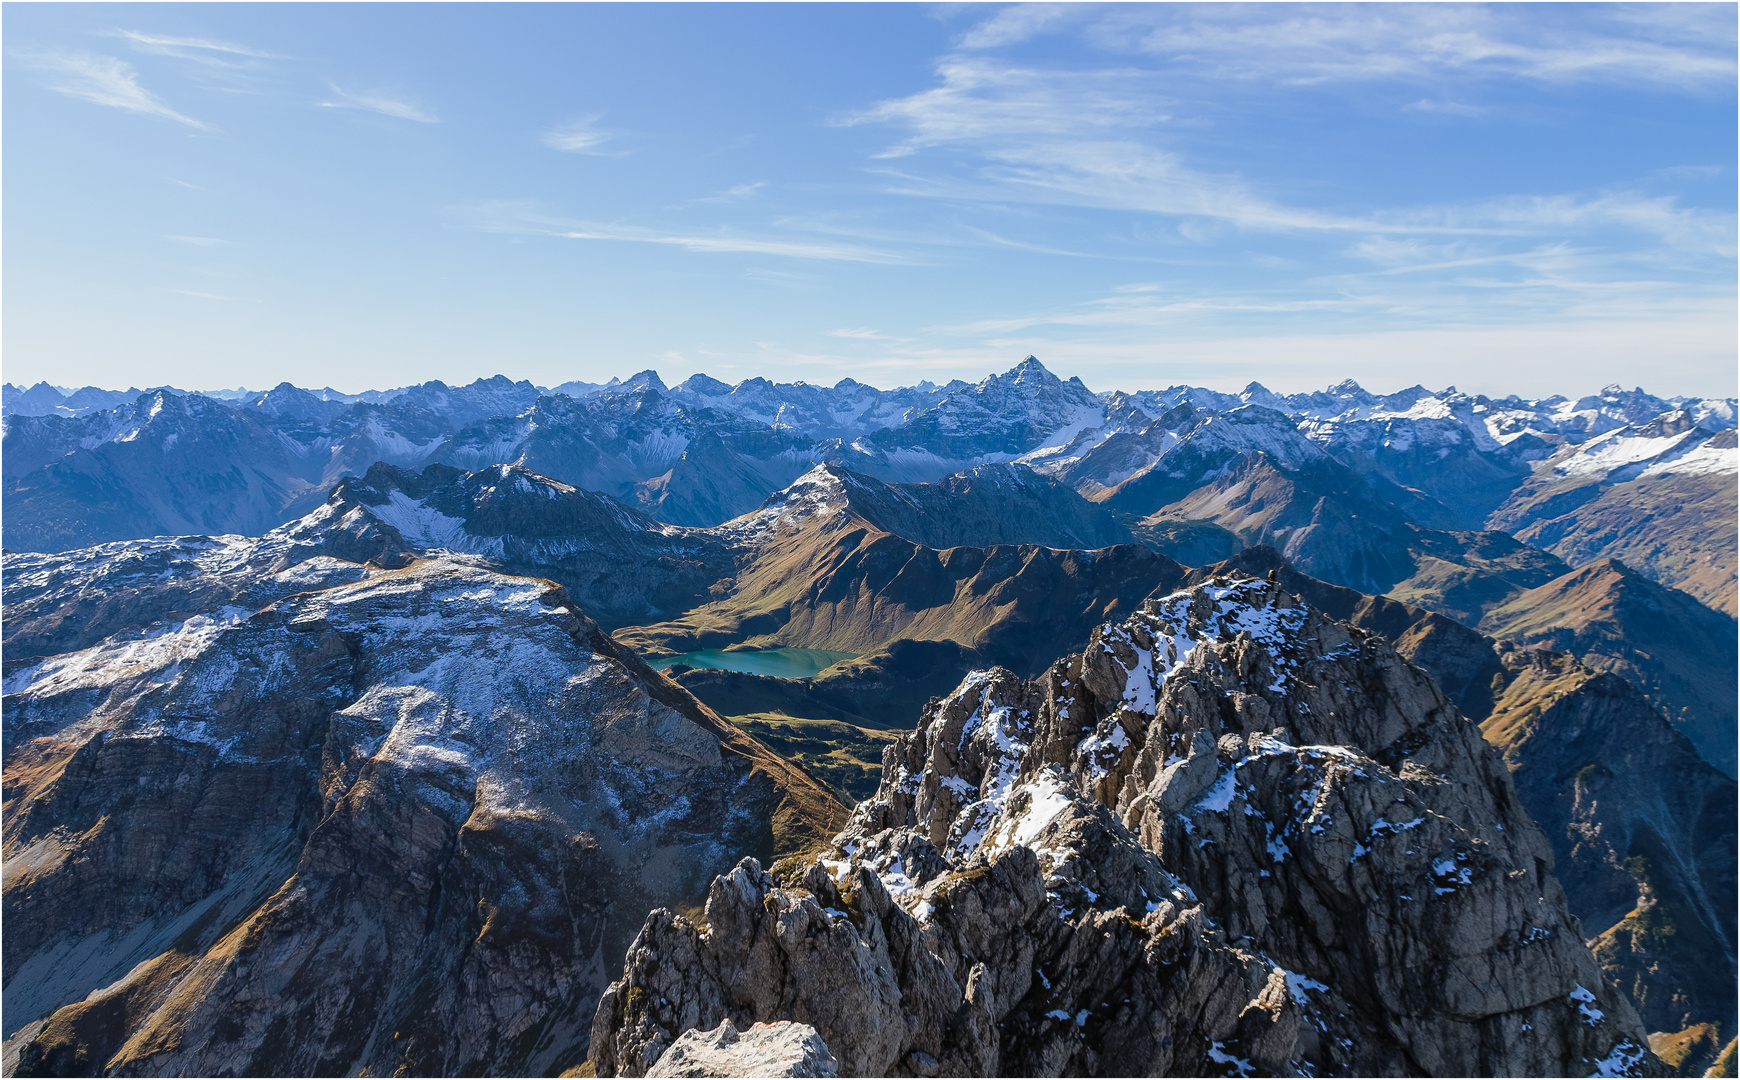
1529 199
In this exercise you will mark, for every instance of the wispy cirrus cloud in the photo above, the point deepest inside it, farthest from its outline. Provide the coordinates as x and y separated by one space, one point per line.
196 241
1069 137
1446 108
980 99
1074 138
1680 46
1692 231
1405 283
583 136
733 194
861 333
1017 23
378 101
105 80
728 242
519 217
203 50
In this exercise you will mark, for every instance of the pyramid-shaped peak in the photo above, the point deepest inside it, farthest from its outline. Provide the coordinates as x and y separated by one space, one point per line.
701 383
645 380
1031 368
284 397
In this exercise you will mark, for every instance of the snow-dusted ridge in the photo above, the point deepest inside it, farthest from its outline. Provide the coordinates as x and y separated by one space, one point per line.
701 452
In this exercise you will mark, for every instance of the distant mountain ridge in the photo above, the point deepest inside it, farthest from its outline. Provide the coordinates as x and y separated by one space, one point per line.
1379 492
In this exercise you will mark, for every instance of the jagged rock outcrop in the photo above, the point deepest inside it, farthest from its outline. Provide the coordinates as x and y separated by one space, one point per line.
404 823
1232 836
1643 835
1463 661
782 1049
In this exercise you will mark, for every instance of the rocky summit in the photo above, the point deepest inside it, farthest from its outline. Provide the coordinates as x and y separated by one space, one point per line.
407 822
1231 837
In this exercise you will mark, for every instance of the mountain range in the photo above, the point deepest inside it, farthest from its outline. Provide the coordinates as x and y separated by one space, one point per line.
332 743
1402 493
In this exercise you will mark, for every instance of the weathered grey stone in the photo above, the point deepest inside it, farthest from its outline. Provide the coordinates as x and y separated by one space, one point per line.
778 1049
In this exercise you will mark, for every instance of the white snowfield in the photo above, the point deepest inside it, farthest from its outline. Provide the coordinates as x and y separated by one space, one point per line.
425 527
1627 454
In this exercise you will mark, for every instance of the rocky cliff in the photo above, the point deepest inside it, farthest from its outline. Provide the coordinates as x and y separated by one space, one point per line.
405 823
1231 837
1643 835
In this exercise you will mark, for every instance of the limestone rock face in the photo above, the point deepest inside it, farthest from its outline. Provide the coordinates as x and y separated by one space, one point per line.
782 1049
406 823
1231 837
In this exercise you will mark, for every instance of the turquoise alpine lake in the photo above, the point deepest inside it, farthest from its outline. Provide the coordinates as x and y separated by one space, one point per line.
779 663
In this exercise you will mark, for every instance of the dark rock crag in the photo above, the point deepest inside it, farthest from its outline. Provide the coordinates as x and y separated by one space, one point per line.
1643 835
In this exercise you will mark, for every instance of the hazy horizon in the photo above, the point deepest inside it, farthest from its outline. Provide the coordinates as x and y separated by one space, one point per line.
1661 392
